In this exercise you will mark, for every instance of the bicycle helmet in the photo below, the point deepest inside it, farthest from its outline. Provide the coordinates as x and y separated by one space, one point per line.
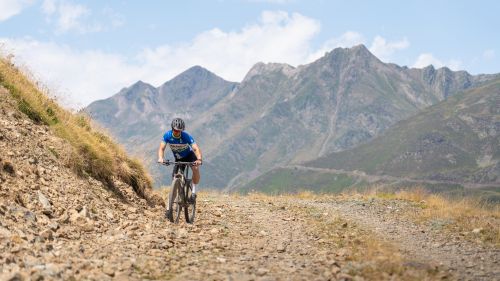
178 124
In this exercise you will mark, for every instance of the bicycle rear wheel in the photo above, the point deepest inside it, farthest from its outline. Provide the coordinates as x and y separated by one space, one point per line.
175 201
190 207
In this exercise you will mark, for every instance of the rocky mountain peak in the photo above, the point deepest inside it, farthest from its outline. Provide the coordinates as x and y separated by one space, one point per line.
356 52
261 68
360 50
193 74
140 86
341 58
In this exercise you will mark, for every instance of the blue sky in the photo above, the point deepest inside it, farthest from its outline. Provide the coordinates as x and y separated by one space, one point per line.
88 50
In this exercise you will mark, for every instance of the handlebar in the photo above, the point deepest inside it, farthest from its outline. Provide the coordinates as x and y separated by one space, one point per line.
168 162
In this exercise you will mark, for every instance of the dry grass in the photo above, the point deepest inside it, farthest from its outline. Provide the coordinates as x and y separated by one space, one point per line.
468 216
93 153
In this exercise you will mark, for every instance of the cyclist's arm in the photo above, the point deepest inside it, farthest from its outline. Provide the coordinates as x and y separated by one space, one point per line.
197 151
161 151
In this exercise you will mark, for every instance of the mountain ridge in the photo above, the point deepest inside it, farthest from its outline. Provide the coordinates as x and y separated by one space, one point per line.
454 143
343 99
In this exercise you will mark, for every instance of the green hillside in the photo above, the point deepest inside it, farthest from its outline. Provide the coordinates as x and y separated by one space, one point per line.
456 140
451 148
290 180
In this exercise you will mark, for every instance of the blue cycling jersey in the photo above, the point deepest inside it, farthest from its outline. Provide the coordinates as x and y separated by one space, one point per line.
181 146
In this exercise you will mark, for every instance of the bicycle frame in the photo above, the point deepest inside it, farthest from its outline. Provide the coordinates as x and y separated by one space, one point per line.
181 187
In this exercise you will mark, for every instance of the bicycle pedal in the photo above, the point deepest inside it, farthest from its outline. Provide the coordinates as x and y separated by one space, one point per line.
192 199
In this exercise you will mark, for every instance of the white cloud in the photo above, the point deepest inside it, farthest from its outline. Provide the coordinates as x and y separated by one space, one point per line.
427 59
383 49
348 39
49 7
380 47
277 37
76 77
489 54
83 76
10 8
67 16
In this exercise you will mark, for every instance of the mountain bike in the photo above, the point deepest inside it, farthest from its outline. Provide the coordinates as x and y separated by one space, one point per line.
179 197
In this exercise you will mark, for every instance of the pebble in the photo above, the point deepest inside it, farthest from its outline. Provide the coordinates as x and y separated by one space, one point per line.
47 234
477 230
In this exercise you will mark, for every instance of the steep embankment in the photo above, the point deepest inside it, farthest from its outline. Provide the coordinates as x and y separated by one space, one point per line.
91 152
47 212
60 182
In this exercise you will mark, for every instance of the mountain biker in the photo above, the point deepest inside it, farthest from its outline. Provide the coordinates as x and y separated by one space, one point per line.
184 149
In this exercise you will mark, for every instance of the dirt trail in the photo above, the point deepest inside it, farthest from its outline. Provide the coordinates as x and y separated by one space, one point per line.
233 238
376 178
419 242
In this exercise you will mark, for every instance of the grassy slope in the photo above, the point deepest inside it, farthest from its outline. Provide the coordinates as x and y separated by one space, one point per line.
378 156
421 146
284 180
94 153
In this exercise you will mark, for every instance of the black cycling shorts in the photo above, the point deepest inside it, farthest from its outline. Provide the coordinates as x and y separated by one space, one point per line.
191 157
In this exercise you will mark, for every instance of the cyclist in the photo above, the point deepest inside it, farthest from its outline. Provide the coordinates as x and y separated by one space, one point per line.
184 149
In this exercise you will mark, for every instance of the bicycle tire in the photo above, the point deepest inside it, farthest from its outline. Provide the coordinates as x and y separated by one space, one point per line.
175 201
190 207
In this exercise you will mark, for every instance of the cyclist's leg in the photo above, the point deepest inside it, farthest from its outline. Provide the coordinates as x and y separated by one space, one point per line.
191 157
196 174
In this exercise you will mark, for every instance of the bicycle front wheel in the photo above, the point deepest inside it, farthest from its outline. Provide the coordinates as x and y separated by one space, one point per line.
175 201
190 207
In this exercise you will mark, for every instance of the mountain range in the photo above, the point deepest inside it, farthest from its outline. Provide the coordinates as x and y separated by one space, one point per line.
278 115
446 147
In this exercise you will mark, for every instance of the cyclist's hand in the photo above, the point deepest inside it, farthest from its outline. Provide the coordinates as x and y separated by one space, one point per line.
160 160
197 162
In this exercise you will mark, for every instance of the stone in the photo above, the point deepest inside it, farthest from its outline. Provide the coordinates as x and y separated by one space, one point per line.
182 233
109 214
4 232
262 271
64 218
44 201
8 167
47 234
87 227
53 226
281 247
108 269
477 230
84 212
16 239
16 276
344 277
